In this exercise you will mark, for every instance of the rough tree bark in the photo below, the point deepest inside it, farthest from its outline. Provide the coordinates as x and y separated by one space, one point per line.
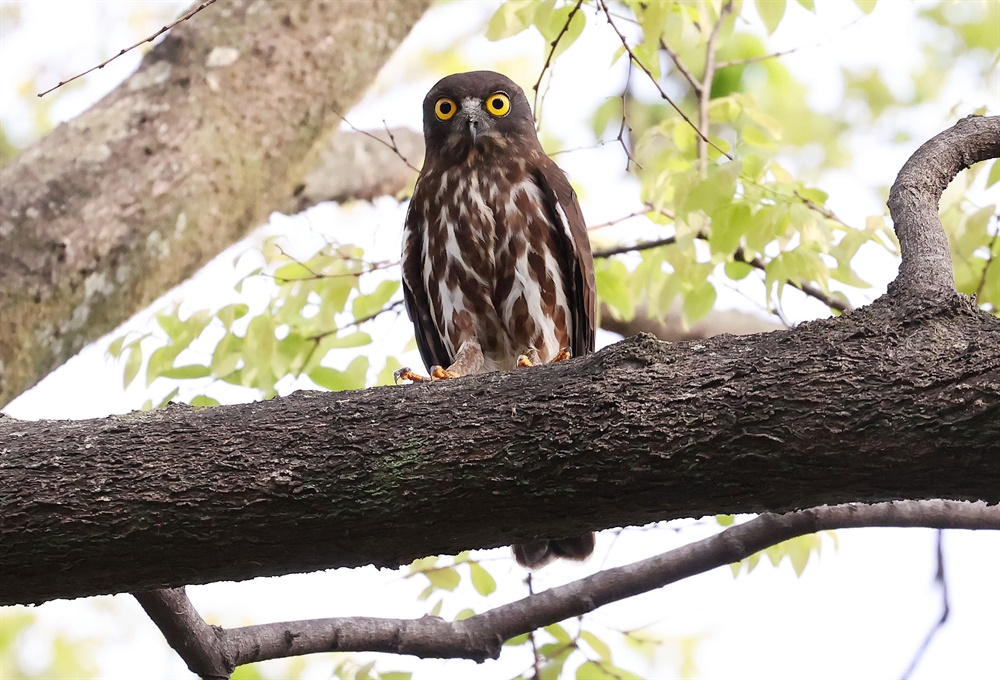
214 131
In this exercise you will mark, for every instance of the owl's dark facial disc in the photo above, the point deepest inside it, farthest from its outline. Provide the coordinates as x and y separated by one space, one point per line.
479 111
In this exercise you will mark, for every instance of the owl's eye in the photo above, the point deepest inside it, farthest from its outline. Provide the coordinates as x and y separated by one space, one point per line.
498 104
445 108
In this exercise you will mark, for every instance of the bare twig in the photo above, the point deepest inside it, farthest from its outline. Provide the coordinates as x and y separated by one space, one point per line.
681 66
644 211
989 261
552 50
809 289
656 84
705 91
645 245
151 38
391 144
941 579
481 636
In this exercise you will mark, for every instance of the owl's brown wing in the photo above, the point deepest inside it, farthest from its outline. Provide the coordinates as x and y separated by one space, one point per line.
574 253
429 342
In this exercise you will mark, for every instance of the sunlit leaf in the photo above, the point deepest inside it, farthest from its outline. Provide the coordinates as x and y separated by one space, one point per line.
482 580
771 12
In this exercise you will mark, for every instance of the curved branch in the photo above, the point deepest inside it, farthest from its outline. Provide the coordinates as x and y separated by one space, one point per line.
925 274
481 637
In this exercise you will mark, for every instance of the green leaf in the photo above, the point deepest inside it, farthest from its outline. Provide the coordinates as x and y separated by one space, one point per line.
866 6
202 400
725 520
699 301
187 372
597 644
230 313
356 339
808 4
436 609
517 640
465 614
445 578
167 399
366 306
115 348
559 633
392 675
737 270
591 670
994 174
510 19
612 287
294 271
132 363
573 29
482 580
771 12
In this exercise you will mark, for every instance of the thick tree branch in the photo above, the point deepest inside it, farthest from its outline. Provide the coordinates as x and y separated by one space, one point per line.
199 644
868 410
926 273
110 210
481 637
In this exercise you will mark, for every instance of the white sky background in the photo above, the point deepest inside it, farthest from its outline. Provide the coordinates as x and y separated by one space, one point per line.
859 612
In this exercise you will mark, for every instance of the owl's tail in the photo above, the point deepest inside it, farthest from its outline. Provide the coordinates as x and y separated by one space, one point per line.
537 554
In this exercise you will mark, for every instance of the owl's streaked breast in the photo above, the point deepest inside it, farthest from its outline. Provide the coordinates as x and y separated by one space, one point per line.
489 264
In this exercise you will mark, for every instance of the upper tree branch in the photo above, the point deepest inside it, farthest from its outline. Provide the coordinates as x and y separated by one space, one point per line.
926 273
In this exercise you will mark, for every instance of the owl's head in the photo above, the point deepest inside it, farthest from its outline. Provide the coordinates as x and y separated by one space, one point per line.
476 111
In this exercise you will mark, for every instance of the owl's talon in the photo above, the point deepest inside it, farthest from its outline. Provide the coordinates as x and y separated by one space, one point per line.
438 373
406 374
565 354
523 361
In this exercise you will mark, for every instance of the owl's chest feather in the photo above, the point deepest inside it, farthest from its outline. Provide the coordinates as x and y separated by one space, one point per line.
489 266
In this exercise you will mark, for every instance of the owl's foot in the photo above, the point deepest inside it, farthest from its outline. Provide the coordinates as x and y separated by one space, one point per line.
406 374
438 373
532 358
565 354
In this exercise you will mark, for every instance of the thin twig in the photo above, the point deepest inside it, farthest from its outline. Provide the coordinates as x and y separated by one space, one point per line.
808 288
989 261
129 49
681 66
645 245
553 45
705 91
656 84
391 144
941 580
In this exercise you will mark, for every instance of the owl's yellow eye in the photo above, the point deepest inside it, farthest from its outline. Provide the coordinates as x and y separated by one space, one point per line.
498 104
445 108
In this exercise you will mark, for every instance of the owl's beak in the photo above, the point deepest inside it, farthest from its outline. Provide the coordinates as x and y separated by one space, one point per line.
475 119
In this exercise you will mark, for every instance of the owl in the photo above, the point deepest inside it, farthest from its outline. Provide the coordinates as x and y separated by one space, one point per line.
497 268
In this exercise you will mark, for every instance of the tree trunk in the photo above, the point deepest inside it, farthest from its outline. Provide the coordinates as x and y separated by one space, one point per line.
210 135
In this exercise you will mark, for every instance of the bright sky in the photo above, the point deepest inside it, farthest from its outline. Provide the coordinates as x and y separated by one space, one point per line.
858 612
